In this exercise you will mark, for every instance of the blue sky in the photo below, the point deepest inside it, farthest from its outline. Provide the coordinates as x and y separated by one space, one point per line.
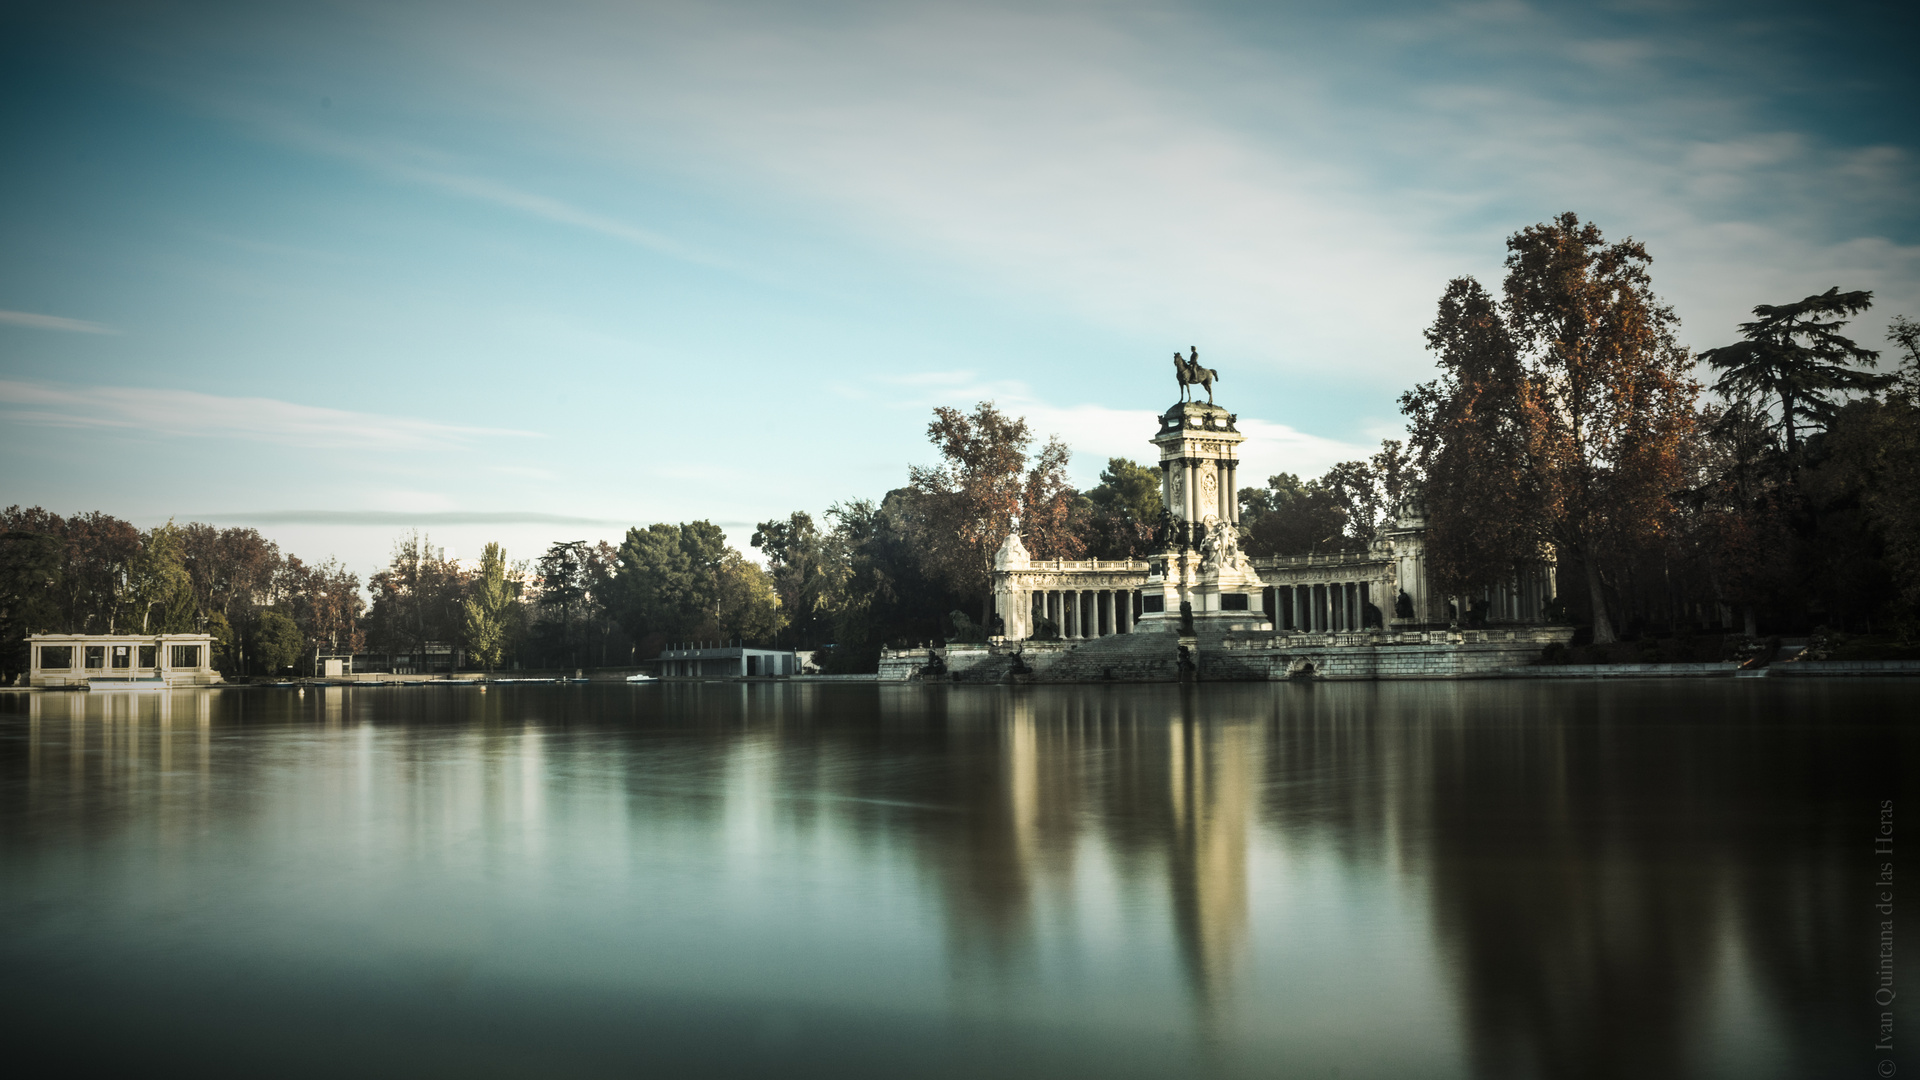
535 272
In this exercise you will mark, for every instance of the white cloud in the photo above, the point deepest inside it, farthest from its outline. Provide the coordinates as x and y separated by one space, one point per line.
54 322
185 413
1153 172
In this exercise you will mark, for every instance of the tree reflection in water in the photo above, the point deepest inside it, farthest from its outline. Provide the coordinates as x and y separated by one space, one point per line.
1490 879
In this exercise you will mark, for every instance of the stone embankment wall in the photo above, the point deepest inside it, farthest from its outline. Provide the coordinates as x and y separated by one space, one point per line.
1155 657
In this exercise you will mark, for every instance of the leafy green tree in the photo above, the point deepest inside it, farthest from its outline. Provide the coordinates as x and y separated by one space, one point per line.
746 606
1123 511
566 581
1905 333
1289 517
29 592
1796 355
228 654
100 552
277 641
416 599
159 586
488 608
685 582
809 568
888 594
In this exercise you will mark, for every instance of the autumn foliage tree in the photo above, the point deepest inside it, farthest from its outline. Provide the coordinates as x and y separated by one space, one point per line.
1561 413
983 482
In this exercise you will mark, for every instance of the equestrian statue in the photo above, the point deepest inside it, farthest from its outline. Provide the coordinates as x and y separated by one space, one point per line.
1190 373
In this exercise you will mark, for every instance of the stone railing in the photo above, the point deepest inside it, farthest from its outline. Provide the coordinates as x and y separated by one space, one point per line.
1097 565
1294 639
1331 558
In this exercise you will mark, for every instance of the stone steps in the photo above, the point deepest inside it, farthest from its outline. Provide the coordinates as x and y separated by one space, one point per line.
1148 657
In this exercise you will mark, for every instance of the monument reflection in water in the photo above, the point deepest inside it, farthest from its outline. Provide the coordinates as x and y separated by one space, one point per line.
1383 879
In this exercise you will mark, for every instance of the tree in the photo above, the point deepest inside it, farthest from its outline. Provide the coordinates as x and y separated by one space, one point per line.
29 591
684 582
1289 517
565 581
158 584
808 571
416 599
99 556
1123 511
488 608
887 594
231 571
1560 416
746 606
277 642
1905 333
1794 353
1477 433
969 501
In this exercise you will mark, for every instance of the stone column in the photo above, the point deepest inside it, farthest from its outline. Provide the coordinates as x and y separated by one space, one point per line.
1193 489
1106 596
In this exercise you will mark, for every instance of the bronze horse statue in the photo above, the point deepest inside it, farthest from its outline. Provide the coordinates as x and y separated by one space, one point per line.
1190 373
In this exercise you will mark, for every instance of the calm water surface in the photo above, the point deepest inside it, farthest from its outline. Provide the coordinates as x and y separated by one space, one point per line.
1490 879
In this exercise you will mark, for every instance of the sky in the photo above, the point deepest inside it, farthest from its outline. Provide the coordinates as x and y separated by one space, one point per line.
537 272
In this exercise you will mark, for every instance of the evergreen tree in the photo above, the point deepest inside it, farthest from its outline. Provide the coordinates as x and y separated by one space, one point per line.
1796 355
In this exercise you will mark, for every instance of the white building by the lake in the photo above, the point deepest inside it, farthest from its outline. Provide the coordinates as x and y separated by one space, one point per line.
77 660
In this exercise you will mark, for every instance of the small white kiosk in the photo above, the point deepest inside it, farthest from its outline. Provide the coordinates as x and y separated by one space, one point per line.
120 660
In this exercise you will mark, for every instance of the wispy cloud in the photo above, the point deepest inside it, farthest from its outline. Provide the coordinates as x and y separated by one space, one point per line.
54 322
425 166
185 413
401 518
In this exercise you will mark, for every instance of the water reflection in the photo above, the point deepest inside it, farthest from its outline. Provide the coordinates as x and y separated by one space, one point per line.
1389 879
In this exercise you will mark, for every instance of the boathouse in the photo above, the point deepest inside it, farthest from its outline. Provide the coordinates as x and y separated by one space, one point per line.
82 660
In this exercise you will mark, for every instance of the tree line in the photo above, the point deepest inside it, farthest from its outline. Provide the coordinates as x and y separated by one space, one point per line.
96 574
1565 420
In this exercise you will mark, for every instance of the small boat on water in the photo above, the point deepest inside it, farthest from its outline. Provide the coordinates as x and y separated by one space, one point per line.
642 678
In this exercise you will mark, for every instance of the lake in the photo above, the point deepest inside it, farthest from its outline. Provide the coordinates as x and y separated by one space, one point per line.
1418 879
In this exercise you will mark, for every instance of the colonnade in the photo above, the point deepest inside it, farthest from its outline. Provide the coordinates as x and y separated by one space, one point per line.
1087 613
1324 607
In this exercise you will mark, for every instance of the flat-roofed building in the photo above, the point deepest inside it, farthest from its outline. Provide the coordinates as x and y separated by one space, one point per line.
730 662
76 660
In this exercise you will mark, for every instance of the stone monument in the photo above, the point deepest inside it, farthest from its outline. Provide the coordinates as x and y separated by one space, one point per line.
1202 564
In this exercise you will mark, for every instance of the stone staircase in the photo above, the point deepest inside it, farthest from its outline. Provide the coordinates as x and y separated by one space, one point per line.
997 668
